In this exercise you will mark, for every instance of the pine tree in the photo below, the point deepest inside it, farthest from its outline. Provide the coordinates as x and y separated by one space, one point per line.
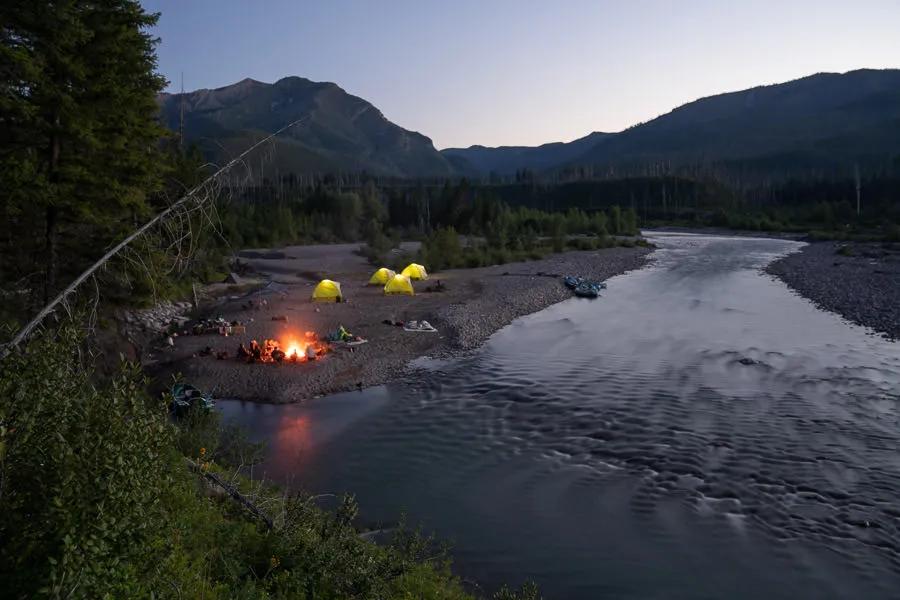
78 129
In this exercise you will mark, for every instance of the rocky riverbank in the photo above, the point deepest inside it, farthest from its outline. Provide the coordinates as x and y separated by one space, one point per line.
474 304
859 281
156 320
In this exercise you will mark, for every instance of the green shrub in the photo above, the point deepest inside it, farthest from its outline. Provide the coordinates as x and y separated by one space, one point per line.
442 250
474 259
98 503
83 469
498 256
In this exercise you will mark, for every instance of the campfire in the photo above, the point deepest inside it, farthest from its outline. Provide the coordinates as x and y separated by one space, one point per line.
290 349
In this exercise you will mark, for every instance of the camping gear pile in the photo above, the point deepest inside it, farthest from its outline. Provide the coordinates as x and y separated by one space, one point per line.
422 326
252 304
413 326
582 287
218 325
342 336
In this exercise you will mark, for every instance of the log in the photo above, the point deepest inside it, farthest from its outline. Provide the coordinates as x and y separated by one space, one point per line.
231 491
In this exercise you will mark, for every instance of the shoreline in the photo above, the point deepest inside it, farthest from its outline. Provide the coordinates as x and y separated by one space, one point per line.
724 232
861 283
477 303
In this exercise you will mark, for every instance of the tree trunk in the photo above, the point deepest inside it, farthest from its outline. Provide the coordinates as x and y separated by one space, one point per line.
51 224
50 252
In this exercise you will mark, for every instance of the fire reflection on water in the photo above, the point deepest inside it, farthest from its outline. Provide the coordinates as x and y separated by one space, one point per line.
292 442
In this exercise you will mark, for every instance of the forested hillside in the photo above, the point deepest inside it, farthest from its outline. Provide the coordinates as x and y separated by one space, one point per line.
827 122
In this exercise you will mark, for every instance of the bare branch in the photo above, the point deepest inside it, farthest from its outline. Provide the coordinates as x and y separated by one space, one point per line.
201 195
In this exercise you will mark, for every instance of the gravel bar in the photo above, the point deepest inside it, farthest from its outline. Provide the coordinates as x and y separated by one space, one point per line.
859 281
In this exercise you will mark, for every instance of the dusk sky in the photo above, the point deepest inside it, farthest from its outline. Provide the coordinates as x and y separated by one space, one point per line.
521 72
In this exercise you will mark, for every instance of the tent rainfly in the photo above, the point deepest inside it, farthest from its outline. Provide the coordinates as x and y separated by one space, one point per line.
381 276
327 291
415 271
399 284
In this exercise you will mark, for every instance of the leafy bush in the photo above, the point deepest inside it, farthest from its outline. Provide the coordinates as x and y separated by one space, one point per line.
98 503
83 470
442 250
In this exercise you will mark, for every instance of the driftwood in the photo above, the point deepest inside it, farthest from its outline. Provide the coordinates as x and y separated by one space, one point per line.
26 331
369 536
231 491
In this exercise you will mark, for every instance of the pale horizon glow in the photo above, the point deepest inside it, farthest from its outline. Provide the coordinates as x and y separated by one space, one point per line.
524 72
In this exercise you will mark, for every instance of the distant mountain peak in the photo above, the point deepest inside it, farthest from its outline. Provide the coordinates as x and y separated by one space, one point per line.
506 160
341 132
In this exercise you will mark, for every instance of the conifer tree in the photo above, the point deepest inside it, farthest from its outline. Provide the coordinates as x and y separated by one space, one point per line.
78 125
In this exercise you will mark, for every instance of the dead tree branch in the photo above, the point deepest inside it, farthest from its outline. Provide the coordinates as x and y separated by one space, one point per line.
231 491
173 210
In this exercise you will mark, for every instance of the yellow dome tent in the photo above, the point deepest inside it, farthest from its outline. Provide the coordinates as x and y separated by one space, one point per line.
381 276
415 271
327 291
399 284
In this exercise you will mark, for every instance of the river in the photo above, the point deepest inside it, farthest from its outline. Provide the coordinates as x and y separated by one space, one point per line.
698 432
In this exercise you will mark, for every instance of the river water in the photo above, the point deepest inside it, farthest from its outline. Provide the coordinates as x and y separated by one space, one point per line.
698 432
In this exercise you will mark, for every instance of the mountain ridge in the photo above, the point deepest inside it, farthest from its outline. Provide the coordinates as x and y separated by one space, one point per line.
342 132
506 160
818 121
821 121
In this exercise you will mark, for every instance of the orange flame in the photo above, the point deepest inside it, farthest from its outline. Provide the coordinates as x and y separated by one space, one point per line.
295 350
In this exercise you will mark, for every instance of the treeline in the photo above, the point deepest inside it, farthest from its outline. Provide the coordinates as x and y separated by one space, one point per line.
492 231
513 214
821 204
